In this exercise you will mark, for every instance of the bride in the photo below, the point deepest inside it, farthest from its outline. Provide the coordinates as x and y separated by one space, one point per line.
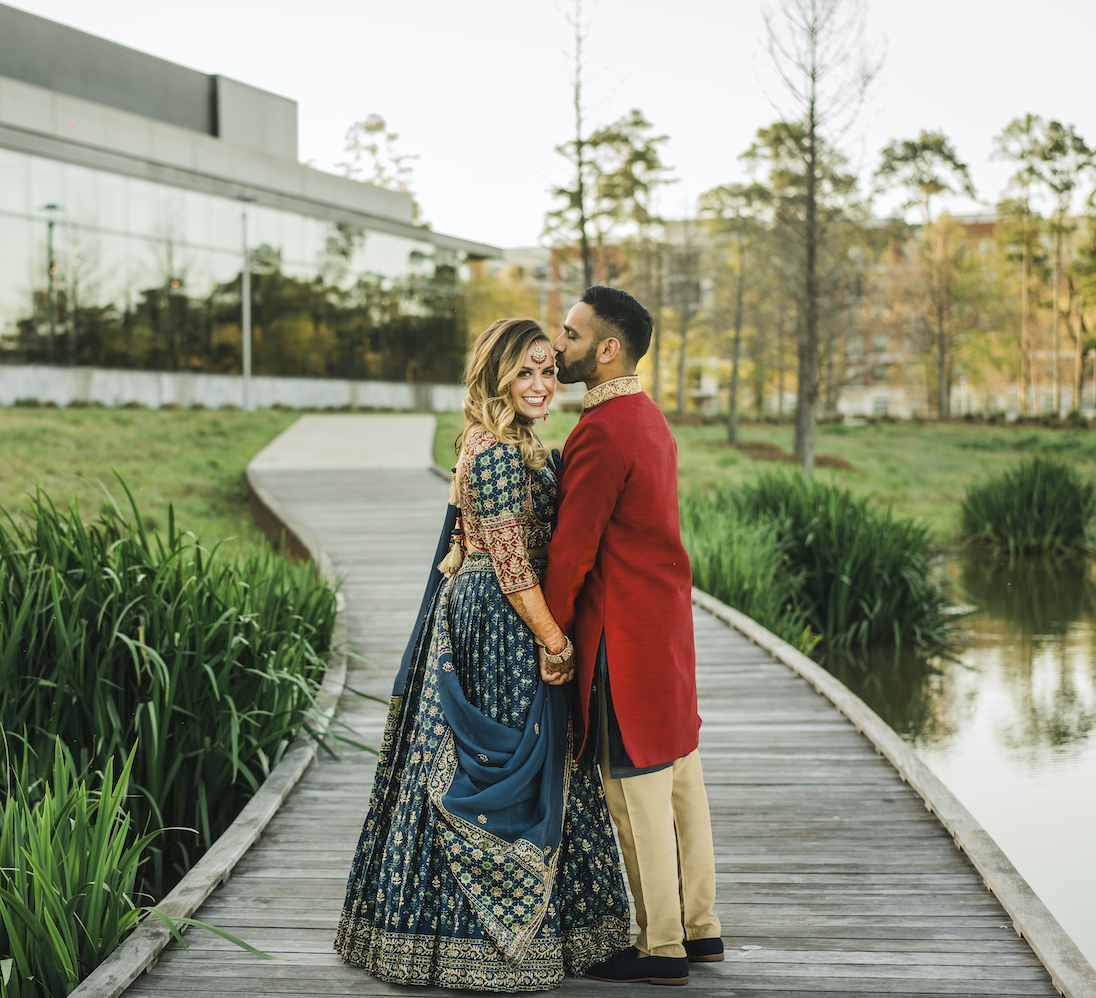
487 860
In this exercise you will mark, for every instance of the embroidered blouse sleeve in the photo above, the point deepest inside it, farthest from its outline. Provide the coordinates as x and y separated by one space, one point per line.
501 481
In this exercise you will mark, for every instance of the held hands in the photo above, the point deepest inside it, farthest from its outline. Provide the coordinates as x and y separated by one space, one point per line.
555 675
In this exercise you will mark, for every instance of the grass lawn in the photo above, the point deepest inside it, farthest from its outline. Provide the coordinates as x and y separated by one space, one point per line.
922 470
194 459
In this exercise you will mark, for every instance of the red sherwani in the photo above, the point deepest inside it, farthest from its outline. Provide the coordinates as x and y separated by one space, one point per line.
616 564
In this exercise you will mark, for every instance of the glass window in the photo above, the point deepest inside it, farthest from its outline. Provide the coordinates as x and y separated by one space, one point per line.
146 275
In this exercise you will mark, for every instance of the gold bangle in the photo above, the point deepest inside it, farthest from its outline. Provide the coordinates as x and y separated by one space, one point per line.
564 656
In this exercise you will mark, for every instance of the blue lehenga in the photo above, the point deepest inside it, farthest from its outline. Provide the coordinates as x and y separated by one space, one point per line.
487 859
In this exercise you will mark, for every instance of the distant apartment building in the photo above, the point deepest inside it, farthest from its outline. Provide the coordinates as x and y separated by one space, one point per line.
126 183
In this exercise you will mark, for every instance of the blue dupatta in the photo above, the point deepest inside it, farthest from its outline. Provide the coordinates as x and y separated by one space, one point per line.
498 793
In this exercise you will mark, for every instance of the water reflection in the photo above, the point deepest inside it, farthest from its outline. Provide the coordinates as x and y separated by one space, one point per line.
900 685
1031 596
1027 651
1007 721
1035 630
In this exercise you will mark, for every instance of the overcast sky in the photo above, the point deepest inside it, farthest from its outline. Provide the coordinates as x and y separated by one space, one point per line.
480 89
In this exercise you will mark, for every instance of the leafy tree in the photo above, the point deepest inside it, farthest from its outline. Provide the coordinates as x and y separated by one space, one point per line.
629 172
926 167
1020 143
1065 159
374 158
734 213
822 215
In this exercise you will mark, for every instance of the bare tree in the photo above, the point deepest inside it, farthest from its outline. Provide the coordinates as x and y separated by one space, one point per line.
817 49
574 213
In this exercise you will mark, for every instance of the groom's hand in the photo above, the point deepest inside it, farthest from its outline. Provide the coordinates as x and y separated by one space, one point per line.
552 678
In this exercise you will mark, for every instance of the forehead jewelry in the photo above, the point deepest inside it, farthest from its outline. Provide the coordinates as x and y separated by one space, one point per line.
538 353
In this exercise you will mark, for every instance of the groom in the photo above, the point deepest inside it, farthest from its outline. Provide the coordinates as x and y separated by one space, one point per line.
619 579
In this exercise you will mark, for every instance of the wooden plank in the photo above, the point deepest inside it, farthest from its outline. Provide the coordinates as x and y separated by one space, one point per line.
826 860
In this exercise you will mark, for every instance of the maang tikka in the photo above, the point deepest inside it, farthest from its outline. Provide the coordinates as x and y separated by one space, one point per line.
538 353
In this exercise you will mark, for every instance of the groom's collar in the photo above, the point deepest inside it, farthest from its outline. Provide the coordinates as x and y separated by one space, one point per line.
628 385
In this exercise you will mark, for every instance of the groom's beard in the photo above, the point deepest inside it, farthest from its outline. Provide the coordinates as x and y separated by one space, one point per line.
582 369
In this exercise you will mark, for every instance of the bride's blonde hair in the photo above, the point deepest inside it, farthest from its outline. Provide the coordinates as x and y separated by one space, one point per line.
493 365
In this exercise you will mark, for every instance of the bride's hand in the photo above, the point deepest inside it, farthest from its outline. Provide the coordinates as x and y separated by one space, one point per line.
553 678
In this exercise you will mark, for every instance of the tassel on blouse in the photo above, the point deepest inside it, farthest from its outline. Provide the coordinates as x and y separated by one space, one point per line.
451 563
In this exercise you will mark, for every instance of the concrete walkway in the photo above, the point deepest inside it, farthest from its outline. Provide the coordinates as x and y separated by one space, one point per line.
833 878
350 443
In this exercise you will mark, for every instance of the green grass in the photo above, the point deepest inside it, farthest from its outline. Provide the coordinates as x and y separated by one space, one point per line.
194 459
920 470
1042 506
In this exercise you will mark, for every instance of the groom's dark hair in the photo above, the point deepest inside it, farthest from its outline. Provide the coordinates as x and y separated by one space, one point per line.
619 314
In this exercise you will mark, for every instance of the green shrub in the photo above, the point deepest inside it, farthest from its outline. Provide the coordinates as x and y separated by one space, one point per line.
744 565
110 636
1040 506
859 575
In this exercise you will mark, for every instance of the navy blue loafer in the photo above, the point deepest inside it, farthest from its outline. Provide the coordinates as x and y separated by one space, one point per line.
704 950
629 967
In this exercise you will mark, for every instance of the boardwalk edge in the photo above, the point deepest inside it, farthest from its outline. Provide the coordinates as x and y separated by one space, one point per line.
141 949
1070 972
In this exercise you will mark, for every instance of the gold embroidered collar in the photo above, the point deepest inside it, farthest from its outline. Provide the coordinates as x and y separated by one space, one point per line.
628 385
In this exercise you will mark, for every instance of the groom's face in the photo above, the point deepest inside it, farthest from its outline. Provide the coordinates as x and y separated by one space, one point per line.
576 347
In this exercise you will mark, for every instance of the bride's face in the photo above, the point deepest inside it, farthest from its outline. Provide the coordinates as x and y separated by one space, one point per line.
533 388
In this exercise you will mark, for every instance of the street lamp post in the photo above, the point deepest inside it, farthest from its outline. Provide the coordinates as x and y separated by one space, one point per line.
50 299
245 303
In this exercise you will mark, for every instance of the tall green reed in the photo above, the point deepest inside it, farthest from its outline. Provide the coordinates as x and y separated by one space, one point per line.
69 864
861 576
1041 506
110 636
744 565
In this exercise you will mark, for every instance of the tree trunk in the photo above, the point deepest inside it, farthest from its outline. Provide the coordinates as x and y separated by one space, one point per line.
656 345
580 145
1080 358
682 358
779 383
1054 324
732 408
943 383
808 342
1025 359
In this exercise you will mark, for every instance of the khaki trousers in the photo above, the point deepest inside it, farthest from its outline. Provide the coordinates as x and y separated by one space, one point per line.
665 833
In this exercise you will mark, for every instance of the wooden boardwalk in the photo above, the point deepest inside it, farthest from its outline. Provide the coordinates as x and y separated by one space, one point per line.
833 877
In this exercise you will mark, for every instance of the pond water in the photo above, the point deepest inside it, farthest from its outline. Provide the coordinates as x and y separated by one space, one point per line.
1009 723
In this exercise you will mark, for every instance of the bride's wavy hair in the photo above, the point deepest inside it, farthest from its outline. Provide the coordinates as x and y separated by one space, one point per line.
493 365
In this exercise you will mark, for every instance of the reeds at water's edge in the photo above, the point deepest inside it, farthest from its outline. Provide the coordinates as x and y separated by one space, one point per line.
185 672
812 559
1041 506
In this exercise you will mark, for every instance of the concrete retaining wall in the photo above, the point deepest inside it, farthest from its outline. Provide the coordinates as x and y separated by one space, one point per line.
153 389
